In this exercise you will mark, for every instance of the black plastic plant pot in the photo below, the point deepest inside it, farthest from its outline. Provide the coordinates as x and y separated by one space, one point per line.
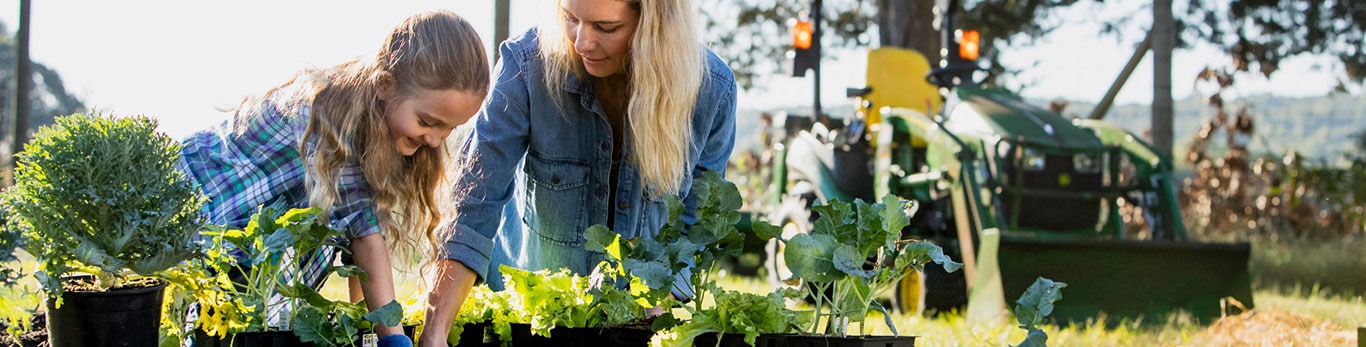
738 340
473 335
119 317
253 339
850 341
575 337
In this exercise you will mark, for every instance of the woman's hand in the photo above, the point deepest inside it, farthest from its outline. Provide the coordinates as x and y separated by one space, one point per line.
452 284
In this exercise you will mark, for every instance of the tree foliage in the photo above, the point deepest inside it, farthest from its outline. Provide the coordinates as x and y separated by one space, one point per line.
48 99
1260 34
752 35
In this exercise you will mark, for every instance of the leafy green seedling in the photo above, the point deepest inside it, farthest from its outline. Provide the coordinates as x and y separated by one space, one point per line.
234 291
1033 308
855 252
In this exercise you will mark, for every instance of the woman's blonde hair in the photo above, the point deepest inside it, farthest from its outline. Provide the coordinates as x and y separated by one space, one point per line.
666 69
435 50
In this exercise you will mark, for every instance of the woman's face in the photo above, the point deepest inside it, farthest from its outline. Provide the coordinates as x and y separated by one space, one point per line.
601 31
425 117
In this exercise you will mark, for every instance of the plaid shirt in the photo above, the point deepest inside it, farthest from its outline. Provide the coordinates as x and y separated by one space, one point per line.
254 160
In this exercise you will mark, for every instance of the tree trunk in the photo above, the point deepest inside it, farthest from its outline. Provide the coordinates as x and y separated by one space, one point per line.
910 24
501 13
1164 38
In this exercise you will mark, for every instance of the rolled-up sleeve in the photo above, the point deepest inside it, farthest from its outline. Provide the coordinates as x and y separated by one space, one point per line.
488 162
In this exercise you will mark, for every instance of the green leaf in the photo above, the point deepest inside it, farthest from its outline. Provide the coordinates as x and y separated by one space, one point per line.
1036 338
600 239
90 253
388 315
278 241
675 207
299 216
656 275
765 231
262 223
811 257
868 232
311 325
848 260
347 271
886 317
618 305
709 231
308 294
721 195
733 245
916 254
665 321
680 252
1037 302
893 214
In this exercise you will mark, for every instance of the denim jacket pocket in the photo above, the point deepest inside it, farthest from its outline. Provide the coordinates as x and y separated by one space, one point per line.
557 193
654 213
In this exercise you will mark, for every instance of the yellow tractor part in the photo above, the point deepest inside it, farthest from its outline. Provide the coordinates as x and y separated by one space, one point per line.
897 78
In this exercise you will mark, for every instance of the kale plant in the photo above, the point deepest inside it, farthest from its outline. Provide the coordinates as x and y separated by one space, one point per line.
855 251
102 194
652 264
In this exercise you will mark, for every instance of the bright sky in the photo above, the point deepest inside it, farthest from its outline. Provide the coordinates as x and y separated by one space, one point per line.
181 61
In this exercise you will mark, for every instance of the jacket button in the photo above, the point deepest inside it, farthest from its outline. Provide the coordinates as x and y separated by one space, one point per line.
555 180
622 205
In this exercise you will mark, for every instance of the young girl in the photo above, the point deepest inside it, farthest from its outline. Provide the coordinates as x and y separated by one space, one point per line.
593 120
364 141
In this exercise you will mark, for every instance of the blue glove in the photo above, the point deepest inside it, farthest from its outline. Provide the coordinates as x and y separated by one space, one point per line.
395 340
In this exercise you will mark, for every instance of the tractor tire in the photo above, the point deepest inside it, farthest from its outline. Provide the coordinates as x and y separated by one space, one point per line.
931 291
794 214
909 296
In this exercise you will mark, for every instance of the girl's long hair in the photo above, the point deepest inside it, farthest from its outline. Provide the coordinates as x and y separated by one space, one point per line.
666 69
435 50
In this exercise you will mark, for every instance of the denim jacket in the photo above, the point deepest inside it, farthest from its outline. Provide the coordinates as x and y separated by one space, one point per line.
540 177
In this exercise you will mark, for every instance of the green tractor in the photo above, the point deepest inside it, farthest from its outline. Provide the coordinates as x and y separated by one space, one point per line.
1012 190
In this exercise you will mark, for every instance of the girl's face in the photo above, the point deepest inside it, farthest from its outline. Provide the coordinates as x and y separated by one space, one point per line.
426 117
601 31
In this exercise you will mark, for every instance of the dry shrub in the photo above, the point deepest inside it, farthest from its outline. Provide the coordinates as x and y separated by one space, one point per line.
1274 327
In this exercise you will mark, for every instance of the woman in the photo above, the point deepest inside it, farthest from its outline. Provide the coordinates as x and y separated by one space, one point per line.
607 112
364 141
